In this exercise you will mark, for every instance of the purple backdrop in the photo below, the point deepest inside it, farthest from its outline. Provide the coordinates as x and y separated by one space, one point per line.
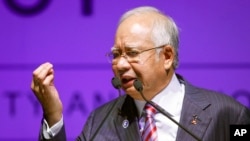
75 35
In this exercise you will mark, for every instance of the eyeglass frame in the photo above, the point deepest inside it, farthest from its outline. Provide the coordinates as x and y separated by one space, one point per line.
110 55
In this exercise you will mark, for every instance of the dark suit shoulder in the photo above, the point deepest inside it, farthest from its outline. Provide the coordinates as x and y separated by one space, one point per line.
217 97
219 104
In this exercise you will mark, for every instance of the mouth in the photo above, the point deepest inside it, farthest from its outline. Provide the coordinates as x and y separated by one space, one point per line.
127 82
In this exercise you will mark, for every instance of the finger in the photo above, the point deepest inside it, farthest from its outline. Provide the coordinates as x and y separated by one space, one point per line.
45 77
38 77
40 74
48 81
36 90
51 71
40 68
32 85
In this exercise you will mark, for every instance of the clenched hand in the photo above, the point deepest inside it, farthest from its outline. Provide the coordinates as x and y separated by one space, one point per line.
43 87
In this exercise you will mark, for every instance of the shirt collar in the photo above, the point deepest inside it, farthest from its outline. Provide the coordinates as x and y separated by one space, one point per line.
173 91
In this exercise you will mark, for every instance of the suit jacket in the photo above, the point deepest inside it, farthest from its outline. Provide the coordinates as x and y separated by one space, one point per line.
212 113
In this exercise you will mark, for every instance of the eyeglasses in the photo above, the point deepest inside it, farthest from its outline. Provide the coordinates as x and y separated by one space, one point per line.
132 56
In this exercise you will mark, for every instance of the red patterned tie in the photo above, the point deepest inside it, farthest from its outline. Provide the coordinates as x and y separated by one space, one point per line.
149 133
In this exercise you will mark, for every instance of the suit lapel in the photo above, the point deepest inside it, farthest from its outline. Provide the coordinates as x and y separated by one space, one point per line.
127 121
194 116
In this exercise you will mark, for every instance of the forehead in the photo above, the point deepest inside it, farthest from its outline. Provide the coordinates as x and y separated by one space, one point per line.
133 32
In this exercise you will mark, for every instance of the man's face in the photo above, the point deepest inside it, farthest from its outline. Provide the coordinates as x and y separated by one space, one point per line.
135 34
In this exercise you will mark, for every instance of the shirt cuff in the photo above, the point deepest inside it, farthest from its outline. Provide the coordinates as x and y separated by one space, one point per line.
49 133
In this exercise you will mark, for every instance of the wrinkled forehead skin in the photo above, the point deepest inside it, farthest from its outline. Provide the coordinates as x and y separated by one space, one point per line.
135 31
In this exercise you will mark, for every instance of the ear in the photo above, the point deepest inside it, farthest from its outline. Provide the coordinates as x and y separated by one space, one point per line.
169 54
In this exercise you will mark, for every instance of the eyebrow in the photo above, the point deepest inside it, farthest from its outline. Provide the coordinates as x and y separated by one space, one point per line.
114 48
126 48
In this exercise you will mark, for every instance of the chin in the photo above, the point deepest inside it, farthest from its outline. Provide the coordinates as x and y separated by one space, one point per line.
133 93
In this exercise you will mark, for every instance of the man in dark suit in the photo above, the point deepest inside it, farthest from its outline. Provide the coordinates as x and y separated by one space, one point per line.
145 49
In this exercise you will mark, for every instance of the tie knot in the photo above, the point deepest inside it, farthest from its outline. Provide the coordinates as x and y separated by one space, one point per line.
149 110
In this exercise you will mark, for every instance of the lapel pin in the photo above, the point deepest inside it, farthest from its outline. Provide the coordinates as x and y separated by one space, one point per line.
125 123
194 120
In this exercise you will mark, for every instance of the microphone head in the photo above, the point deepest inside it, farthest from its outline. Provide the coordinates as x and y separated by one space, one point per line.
138 85
116 82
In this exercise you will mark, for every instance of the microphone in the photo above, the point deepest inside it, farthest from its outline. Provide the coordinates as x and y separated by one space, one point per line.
116 82
117 85
138 86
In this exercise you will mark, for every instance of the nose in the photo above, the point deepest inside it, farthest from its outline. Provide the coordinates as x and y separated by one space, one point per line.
123 64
